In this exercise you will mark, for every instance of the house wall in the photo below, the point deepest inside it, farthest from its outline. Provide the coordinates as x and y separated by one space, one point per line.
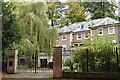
64 42
71 38
106 33
118 34
83 36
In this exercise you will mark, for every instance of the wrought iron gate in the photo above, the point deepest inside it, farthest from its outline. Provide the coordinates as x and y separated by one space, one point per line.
31 63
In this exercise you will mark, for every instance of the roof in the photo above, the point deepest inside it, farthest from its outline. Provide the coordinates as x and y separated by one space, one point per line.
106 21
86 25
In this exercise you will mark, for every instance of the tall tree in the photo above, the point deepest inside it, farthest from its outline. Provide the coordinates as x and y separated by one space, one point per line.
66 13
10 26
34 24
101 9
55 12
76 12
11 32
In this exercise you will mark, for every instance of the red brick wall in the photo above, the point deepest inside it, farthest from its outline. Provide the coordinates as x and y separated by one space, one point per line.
57 62
105 33
81 40
64 42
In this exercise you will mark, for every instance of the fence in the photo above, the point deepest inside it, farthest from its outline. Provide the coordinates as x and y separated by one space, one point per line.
95 60
34 62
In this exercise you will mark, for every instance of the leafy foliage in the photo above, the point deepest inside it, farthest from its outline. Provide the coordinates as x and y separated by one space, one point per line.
56 12
10 28
76 12
101 56
62 14
34 25
100 9
69 62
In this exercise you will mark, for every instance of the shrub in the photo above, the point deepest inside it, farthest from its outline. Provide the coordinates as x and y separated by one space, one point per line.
69 63
101 55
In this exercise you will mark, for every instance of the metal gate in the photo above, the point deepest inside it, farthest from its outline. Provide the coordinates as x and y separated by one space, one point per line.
32 62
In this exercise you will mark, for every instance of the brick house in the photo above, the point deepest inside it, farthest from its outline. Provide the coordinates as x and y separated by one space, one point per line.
107 28
75 34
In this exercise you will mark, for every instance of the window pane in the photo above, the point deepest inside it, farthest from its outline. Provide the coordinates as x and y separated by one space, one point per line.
111 30
79 36
100 30
75 45
63 36
86 35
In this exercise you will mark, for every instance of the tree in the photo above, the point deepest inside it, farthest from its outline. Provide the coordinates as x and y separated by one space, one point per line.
100 9
101 55
55 13
34 25
62 14
76 12
10 27
11 32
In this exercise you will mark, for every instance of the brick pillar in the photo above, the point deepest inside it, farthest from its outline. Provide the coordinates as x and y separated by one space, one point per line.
12 61
57 62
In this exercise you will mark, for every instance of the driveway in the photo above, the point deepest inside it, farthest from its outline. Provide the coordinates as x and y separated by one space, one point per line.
43 73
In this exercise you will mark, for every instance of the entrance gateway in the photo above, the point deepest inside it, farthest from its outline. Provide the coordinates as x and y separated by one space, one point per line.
34 63
28 63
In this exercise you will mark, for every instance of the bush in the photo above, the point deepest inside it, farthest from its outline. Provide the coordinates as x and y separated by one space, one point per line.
69 63
101 56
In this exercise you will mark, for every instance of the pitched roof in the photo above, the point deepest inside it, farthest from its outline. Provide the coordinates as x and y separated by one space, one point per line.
64 29
83 26
106 21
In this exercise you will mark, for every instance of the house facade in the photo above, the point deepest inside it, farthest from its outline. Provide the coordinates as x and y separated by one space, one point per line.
74 35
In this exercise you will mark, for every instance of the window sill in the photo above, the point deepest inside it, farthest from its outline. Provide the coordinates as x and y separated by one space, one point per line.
64 39
100 34
79 39
111 33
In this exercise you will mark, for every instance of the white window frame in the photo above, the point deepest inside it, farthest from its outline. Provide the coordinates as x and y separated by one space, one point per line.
78 36
85 35
65 36
109 30
77 44
98 31
64 47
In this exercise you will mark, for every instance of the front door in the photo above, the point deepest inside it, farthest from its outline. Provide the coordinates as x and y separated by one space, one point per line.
43 63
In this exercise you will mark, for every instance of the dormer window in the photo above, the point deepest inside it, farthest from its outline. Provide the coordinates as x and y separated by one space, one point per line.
88 24
82 26
92 23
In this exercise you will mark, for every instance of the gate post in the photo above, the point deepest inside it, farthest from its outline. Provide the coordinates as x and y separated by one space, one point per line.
12 61
57 62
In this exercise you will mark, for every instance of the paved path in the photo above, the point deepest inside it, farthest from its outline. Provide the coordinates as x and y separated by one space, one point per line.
30 74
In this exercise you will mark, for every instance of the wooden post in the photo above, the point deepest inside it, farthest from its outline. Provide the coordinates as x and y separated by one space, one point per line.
57 62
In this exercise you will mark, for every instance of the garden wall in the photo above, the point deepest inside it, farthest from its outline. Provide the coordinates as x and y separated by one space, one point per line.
93 75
